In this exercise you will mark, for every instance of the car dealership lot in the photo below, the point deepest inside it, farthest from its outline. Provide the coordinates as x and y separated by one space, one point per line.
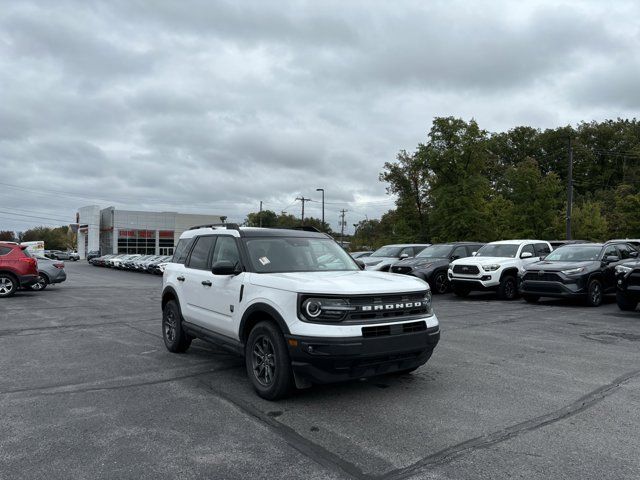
513 390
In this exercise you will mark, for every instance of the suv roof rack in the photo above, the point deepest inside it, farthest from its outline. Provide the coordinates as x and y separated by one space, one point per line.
229 226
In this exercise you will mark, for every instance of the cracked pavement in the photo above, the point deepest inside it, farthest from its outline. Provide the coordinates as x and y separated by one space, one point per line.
512 391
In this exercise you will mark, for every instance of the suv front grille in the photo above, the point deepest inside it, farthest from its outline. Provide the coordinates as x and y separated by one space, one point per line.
404 270
634 278
378 301
536 276
384 330
466 269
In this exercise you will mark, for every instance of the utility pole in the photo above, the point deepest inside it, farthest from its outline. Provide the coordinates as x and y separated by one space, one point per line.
302 199
342 225
322 190
260 214
569 190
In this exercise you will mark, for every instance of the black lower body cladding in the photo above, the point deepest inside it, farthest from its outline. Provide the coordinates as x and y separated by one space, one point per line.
326 360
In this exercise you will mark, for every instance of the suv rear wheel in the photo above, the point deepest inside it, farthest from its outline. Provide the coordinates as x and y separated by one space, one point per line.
8 285
41 284
175 338
267 362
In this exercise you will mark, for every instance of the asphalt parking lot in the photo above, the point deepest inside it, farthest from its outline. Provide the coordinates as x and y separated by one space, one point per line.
512 391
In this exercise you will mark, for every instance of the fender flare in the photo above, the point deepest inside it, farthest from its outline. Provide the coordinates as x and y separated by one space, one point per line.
169 290
262 308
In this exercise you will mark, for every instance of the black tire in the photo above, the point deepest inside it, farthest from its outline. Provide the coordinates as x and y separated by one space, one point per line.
531 298
175 338
440 283
594 293
624 303
267 362
508 289
41 284
8 285
460 291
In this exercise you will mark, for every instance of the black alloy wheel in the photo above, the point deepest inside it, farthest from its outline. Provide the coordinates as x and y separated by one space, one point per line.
267 362
594 293
175 338
440 283
508 288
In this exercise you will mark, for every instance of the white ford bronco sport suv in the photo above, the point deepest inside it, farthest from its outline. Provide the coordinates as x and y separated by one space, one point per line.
295 305
495 266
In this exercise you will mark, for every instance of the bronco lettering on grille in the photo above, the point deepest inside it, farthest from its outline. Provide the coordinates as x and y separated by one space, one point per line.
390 306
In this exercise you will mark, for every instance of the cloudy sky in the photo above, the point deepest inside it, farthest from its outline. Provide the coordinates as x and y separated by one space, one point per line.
211 106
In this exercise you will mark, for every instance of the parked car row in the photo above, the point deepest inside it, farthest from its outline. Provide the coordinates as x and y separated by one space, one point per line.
61 255
142 263
528 268
20 269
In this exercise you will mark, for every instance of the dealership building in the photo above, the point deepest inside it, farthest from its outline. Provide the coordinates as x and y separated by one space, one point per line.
110 230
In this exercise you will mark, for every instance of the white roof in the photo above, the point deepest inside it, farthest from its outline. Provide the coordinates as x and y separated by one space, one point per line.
508 242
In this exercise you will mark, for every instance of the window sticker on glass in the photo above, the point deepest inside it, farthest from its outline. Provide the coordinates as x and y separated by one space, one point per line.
264 260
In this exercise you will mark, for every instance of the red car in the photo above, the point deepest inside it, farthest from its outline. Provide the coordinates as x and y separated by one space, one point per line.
17 268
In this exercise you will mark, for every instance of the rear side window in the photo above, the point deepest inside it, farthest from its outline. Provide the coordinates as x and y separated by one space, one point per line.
182 250
4 250
542 250
199 258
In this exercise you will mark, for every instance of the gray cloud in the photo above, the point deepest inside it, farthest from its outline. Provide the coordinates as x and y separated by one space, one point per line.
212 106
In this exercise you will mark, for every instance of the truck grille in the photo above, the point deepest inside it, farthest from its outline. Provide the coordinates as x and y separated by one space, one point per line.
466 269
634 278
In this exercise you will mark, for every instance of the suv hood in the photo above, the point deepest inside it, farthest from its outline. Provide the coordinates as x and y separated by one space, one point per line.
376 260
484 261
356 282
558 266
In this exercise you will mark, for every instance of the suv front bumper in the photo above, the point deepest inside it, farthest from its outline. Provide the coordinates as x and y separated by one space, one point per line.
325 360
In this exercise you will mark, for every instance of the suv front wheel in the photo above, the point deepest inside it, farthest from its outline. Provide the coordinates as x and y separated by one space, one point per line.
267 361
175 338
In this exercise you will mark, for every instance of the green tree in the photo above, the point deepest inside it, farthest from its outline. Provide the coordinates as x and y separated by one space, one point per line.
269 219
55 238
7 236
536 200
588 222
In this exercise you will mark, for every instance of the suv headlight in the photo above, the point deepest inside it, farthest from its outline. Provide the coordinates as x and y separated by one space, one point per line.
490 268
573 271
623 269
317 309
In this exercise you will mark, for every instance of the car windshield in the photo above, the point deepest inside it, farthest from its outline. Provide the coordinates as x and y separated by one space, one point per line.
387 252
295 254
499 250
574 254
435 251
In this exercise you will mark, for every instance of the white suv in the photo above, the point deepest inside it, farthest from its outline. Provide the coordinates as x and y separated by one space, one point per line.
295 305
495 266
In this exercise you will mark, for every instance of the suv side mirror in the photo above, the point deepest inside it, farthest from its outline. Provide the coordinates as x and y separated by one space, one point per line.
403 256
224 267
611 259
526 255
633 254
360 264
473 254
455 257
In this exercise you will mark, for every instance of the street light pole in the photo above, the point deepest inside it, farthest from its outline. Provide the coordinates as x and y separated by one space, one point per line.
322 190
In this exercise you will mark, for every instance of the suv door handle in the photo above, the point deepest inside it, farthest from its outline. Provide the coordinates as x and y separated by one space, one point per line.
180 278
206 283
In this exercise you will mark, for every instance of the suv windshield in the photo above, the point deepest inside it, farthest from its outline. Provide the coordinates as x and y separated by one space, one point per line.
294 254
575 254
387 252
435 251
499 250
